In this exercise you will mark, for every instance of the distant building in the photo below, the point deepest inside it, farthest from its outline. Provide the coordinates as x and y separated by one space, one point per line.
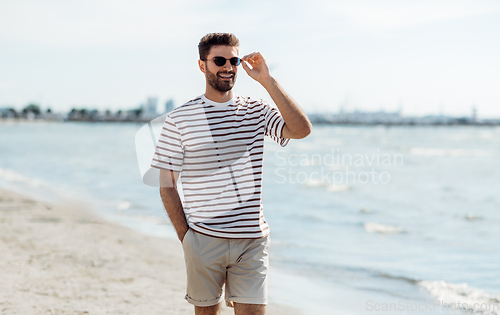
359 117
435 120
150 107
395 118
169 105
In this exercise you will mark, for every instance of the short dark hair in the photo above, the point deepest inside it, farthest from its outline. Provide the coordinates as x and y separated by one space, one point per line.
216 39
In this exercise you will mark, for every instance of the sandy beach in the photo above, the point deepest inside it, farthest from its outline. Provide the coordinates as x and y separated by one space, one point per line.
61 259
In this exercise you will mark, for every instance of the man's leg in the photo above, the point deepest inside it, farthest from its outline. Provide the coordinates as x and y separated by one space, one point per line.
208 310
249 309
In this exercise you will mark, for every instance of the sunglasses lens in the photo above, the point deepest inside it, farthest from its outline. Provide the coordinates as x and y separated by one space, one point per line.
219 61
235 61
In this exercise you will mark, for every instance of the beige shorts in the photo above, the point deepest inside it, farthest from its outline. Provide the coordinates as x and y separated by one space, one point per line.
240 264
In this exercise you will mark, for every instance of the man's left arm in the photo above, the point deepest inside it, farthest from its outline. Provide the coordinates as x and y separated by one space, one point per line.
297 125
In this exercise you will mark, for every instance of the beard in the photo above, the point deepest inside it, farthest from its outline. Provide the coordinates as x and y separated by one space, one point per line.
217 83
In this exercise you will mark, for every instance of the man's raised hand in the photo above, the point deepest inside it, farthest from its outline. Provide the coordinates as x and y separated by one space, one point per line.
259 71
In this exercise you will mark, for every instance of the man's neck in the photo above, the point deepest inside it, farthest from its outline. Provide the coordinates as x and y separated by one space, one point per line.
217 96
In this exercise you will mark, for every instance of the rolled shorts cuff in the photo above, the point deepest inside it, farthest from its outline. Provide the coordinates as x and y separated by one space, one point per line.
204 303
234 299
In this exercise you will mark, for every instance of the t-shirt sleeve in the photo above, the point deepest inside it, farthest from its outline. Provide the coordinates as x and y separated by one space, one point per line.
274 124
169 153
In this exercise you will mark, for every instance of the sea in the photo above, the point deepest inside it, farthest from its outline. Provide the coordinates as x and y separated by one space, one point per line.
363 219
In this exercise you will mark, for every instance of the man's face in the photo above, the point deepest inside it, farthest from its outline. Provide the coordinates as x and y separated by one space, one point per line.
220 78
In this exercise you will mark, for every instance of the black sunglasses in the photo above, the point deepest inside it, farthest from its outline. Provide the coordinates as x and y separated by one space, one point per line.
220 61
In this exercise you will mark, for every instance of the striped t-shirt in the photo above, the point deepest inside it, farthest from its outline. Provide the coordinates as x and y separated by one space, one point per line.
218 150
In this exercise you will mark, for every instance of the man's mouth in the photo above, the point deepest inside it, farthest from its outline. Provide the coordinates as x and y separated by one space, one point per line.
226 76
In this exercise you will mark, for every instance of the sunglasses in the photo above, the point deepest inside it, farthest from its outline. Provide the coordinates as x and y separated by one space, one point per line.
220 61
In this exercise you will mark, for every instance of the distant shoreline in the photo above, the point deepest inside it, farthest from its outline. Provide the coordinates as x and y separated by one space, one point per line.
318 123
409 124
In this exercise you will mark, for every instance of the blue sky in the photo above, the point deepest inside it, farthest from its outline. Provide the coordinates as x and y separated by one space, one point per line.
429 57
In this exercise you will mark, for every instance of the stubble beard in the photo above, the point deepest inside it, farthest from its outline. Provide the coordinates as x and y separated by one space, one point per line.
218 84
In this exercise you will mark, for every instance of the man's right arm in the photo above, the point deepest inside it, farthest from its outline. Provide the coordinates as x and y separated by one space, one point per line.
172 202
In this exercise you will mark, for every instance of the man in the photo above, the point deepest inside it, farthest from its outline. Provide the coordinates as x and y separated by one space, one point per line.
215 142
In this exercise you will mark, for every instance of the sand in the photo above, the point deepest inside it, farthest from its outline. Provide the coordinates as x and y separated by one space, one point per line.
60 259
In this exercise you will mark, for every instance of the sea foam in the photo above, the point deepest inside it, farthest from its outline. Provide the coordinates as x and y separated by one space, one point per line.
11 176
373 227
471 299
338 188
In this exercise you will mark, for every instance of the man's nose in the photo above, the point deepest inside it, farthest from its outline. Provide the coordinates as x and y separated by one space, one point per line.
228 65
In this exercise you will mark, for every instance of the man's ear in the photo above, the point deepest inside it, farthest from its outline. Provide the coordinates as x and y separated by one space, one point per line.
202 64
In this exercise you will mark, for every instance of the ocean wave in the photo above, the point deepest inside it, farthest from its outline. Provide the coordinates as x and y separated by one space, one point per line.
471 217
471 299
123 205
338 188
11 176
448 152
402 278
373 227
315 183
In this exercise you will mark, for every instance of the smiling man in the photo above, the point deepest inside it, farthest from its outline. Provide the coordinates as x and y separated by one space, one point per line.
215 142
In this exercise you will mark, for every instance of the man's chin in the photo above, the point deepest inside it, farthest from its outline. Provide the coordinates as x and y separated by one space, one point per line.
225 87
224 90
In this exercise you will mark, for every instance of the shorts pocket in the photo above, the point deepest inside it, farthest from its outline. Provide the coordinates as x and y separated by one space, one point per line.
185 236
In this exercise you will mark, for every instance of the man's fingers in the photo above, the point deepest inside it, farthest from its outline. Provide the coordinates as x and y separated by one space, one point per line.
249 60
252 61
252 57
245 66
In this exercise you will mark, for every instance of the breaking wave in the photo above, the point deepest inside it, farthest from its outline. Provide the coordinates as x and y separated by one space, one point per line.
373 227
471 299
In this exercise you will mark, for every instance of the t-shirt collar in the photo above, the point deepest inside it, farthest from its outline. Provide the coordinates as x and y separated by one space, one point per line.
218 105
